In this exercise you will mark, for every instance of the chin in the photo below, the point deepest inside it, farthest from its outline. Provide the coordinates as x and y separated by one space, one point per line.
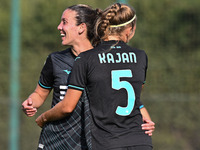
64 43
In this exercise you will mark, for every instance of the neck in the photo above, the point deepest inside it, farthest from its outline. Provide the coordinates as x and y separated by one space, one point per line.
110 38
116 38
81 47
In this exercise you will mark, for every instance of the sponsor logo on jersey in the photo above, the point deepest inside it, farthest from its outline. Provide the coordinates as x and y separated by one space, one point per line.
115 47
67 71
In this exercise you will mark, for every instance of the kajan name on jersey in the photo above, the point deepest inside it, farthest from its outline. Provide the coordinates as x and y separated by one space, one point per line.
117 57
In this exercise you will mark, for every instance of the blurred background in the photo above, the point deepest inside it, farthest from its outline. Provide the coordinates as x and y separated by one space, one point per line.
167 30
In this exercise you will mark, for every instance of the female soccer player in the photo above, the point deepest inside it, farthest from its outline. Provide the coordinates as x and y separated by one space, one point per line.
76 30
80 92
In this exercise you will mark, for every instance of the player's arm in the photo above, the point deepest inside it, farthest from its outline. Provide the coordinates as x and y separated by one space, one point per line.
148 124
35 100
61 109
145 114
43 88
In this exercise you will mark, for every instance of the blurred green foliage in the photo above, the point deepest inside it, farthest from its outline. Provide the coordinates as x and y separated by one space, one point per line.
167 30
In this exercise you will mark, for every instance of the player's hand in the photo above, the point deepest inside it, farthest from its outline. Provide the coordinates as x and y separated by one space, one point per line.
41 121
149 126
27 107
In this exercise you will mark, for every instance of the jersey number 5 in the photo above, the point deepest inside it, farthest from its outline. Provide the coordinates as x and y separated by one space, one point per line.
117 85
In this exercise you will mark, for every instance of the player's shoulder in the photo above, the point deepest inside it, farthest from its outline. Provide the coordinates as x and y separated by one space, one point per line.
96 50
88 53
138 51
87 56
63 54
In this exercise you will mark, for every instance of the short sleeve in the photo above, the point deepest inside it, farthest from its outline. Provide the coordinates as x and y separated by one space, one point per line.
78 77
46 76
140 104
146 66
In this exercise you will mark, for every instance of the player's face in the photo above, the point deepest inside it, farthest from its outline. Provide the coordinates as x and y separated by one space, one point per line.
68 28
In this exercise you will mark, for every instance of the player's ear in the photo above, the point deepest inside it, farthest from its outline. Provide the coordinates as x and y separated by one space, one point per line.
82 28
129 33
131 30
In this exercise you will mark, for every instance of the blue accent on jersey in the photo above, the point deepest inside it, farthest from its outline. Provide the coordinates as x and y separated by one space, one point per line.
117 58
46 87
67 71
77 58
76 87
117 84
142 106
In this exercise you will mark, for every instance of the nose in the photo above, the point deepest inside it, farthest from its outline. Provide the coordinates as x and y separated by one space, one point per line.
59 27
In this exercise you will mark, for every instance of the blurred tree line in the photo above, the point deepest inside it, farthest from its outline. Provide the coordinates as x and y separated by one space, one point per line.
167 30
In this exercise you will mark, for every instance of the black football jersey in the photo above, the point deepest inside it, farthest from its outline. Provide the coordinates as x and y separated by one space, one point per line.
68 133
113 74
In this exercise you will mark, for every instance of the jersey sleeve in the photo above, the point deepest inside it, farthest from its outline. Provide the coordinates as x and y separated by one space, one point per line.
146 66
79 73
46 76
140 104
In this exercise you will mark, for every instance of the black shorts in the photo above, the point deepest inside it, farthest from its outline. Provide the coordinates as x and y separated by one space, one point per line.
139 147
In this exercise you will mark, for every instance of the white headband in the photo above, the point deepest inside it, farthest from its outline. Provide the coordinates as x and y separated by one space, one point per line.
123 24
